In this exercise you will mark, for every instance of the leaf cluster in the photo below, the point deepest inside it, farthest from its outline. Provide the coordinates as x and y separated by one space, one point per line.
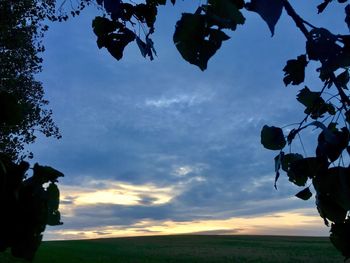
27 205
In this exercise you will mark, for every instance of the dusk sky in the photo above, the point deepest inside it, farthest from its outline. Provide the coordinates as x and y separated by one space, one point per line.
160 147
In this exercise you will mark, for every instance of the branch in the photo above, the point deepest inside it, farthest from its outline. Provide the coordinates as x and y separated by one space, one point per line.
297 19
344 98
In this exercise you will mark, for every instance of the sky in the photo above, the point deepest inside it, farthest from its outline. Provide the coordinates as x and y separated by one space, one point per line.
160 147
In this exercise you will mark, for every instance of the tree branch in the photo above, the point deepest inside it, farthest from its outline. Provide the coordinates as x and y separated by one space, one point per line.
297 19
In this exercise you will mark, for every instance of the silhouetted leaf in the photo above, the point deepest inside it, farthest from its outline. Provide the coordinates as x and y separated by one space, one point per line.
103 26
347 17
288 159
294 71
321 7
278 162
146 13
322 44
225 13
53 196
314 103
272 138
329 209
46 173
304 194
269 10
156 2
147 48
335 184
113 7
340 237
116 43
195 41
54 218
332 146
343 79
300 170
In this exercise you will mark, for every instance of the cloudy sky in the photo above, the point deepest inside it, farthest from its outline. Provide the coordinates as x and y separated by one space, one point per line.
161 147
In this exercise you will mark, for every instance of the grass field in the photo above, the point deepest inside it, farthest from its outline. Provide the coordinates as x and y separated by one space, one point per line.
187 248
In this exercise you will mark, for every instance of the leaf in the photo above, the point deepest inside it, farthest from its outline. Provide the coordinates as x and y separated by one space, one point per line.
328 209
294 71
113 7
147 48
300 170
340 237
116 43
343 79
291 135
225 13
335 184
195 41
321 7
46 173
304 194
155 2
272 138
53 196
288 159
332 143
54 218
103 26
269 10
314 103
278 162
146 13
347 17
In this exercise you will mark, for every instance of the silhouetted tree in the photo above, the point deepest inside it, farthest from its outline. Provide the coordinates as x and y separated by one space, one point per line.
22 105
199 35
26 205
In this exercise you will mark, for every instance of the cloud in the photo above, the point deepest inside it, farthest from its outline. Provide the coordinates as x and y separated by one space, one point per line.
163 142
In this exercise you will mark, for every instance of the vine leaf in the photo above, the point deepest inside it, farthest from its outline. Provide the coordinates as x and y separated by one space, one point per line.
294 71
272 138
304 194
269 10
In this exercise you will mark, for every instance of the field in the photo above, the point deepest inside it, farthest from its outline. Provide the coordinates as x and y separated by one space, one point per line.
187 248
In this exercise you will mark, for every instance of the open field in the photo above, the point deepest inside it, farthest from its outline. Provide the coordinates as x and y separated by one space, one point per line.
188 248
